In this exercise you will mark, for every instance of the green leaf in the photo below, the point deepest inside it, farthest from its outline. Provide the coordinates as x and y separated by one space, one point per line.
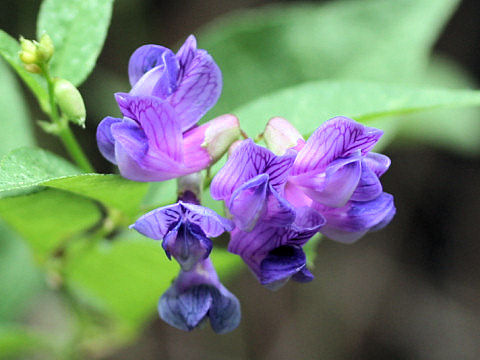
47 219
454 129
26 167
18 341
14 117
19 279
9 48
78 29
112 190
270 48
161 193
126 277
308 105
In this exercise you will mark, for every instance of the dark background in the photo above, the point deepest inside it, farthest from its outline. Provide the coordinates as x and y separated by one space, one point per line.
410 291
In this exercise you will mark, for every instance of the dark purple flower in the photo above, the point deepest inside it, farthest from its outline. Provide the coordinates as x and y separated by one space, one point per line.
273 253
184 229
190 81
148 144
197 295
251 183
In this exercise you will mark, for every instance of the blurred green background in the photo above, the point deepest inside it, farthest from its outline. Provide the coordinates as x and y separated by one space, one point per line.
408 292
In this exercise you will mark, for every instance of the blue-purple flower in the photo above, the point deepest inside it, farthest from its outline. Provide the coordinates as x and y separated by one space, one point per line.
190 81
185 230
274 253
196 295
336 174
157 138
252 183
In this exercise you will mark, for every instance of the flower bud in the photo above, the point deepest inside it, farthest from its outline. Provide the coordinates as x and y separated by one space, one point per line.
70 101
45 48
220 134
28 53
280 135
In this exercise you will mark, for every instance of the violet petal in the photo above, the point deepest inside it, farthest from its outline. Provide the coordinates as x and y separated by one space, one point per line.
336 138
105 140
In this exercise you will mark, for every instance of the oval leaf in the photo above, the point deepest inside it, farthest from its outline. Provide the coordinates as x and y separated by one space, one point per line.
78 29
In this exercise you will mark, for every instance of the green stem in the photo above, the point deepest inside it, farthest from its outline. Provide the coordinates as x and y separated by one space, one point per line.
64 131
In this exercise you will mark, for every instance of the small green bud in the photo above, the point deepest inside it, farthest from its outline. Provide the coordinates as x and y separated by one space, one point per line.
70 101
28 53
45 47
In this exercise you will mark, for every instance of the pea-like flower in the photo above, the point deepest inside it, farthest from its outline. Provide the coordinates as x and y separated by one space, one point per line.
336 174
273 253
185 230
252 183
148 144
158 138
196 295
190 80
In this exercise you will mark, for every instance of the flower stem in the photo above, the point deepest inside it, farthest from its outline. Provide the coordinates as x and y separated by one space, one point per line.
64 131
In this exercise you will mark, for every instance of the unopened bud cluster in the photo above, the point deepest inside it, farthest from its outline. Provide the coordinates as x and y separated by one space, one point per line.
34 54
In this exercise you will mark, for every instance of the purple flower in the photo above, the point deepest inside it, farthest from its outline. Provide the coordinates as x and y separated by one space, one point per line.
251 183
184 229
197 295
157 139
148 143
274 254
336 174
190 81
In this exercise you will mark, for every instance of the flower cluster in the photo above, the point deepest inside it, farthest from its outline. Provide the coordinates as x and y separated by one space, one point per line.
276 198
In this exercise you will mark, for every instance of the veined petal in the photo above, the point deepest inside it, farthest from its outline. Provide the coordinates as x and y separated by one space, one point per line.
210 222
190 246
378 163
105 140
248 202
198 90
247 161
194 154
278 169
279 212
225 311
307 223
156 223
335 185
147 57
196 295
350 222
239 168
186 54
161 81
369 186
160 124
336 138
254 245
134 159
185 310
